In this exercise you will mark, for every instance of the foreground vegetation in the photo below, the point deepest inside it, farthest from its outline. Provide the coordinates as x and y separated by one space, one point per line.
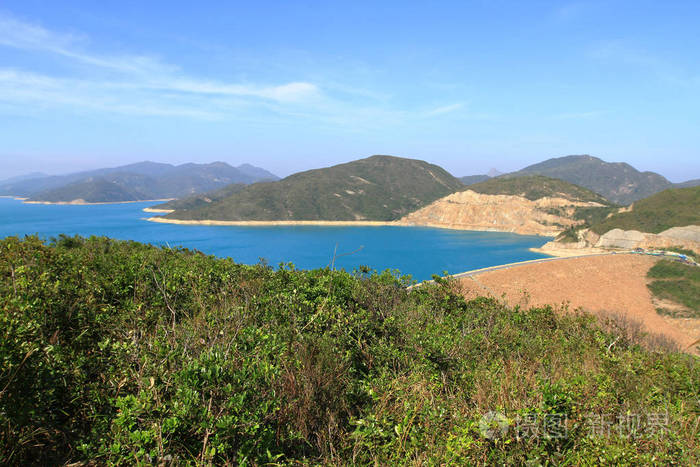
122 353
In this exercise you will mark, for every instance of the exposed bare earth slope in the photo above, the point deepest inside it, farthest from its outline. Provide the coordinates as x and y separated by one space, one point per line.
610 283
509 213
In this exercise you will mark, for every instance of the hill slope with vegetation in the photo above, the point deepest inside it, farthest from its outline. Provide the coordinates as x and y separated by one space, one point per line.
380 188
141 181
676 207
122 353
534 187
202 199
92 190
616 181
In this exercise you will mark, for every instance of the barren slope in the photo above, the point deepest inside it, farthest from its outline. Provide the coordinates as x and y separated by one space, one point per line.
598 284
505 213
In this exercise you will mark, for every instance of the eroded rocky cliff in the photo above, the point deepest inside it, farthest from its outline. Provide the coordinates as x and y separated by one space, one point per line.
504 213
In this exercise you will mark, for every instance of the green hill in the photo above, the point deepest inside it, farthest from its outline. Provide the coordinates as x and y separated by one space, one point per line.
119 353
676 207
534 187
616 181
92 190
140 181
202 199
378 188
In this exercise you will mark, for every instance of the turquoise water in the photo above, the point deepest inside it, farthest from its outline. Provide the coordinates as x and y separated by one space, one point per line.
419 251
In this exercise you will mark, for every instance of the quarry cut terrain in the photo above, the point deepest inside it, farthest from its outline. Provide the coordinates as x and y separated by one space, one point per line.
601 285
506 213
687 237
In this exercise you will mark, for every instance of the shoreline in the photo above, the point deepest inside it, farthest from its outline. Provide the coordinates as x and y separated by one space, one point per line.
397 223
85 203
163 220
497 267
570 252
478 229
164 211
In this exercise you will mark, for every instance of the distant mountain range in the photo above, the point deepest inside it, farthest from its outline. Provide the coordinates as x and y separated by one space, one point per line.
616 181
471 179
379 188
140 181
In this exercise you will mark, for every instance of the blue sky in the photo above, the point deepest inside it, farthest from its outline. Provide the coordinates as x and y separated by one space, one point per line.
294 85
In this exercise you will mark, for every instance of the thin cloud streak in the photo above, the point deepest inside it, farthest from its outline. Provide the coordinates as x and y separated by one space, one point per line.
139 71
146 86
445 109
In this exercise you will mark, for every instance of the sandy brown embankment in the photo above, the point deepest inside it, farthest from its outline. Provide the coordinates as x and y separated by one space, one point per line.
597 284
568 252
82 202
468 210
156 210
164 220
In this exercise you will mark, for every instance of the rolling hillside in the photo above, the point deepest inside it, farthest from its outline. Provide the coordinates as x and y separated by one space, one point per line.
534 187
378 188
202 199
616 181
676 207
92 190
145 180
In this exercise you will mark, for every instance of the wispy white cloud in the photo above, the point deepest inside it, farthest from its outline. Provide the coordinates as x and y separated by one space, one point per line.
445 109
570 11
578 115
618 52
145 85
150 80
41 91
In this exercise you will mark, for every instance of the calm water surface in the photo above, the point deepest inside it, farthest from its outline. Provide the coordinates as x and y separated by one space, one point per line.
419 251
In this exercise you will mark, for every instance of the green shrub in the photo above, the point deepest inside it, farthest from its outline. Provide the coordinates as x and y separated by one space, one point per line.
121 353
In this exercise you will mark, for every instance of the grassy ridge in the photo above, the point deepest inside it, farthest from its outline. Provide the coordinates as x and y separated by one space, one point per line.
381 188
118 352
534 187
670 208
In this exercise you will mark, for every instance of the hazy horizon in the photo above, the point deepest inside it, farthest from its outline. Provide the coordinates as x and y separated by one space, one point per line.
288 87
283 175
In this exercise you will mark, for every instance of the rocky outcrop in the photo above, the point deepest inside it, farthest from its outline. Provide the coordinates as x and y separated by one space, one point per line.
504 213
618 238
687 237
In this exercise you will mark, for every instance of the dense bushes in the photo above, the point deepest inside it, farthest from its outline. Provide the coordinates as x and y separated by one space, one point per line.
118 352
